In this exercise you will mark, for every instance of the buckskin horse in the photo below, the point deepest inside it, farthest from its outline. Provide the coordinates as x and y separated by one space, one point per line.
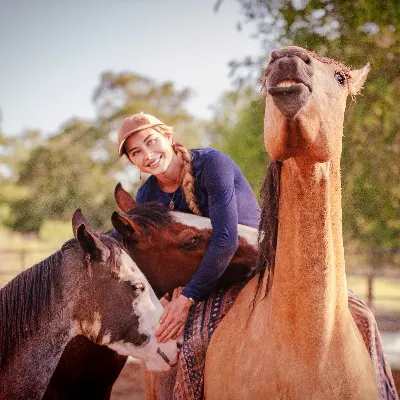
300 341
90 287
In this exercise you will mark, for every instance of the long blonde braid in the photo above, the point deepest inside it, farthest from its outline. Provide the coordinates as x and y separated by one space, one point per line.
187 172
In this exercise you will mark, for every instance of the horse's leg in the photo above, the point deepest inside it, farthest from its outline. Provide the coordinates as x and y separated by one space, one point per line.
366 323
85 370
159 385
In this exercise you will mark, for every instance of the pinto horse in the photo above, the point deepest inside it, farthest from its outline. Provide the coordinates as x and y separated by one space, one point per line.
168 247
90 287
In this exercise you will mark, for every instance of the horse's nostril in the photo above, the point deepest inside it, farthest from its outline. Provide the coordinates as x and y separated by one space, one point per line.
179 345
139 286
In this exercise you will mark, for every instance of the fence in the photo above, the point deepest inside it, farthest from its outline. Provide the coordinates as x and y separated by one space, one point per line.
15 261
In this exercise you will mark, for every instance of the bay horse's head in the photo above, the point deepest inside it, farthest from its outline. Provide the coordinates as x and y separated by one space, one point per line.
116 305
168 246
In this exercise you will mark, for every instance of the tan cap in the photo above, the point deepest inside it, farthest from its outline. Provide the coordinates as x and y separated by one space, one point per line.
135 123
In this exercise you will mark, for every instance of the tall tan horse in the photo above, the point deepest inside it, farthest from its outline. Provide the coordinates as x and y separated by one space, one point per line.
300 341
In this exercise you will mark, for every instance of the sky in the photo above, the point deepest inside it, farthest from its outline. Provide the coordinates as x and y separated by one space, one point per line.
52 53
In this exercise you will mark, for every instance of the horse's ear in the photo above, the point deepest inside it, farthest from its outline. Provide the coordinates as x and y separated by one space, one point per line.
358 78
124 200
122 224
90 244
79 219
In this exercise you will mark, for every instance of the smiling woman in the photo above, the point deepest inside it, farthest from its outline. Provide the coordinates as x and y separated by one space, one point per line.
200 181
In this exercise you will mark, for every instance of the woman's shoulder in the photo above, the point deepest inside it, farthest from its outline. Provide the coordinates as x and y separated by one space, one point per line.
146 191
208 155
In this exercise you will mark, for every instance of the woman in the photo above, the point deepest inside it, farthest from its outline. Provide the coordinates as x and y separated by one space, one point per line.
201 181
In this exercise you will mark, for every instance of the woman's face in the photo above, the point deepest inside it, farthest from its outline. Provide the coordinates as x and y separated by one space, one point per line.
150 151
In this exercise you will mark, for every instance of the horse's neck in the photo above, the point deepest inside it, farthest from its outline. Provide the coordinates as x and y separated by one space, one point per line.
309 281
29 369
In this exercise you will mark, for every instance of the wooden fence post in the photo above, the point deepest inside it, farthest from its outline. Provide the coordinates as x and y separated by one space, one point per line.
22 256
370 295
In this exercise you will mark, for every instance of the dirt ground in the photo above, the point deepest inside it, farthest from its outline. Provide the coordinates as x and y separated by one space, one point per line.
129 385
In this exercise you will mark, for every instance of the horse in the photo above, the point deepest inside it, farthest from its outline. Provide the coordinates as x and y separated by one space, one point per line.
90 287
301 340
168 247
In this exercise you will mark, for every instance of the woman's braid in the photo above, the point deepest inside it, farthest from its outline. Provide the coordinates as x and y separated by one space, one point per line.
187 177
187 173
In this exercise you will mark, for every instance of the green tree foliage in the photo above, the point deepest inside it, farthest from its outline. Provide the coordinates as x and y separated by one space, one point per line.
59 179
238 131
355 32
13 152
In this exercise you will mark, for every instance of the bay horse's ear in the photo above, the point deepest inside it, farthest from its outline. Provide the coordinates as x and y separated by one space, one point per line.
124 200
90 244
122 224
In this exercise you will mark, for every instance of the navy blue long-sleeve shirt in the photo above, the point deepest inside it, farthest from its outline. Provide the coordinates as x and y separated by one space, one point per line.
224 195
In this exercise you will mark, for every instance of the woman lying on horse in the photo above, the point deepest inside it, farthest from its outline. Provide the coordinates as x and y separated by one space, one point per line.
203 182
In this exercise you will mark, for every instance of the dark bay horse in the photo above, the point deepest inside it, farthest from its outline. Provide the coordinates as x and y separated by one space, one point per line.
90 287
168 247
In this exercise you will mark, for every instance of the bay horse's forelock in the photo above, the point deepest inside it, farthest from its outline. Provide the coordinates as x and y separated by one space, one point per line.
27 302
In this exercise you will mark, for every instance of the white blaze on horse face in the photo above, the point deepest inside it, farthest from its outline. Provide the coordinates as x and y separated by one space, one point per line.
148 309
246 232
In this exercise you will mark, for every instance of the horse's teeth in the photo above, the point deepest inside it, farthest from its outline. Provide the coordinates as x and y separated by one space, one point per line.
286 83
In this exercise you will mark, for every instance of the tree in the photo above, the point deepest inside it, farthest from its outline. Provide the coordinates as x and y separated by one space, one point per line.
237 130
356 32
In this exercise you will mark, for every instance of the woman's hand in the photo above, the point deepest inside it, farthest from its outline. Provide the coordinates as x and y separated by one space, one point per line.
174 317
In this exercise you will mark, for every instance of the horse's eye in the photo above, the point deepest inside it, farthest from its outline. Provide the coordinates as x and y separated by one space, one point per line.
192 243
339 76
139 287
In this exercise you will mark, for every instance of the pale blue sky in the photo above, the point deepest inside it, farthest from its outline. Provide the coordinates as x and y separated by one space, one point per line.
52 53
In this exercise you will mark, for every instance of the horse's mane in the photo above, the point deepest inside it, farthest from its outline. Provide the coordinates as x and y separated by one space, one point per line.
26 302
268 229
151 215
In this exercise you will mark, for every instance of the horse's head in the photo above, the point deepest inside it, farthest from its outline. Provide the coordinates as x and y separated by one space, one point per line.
117 307
168 246
305 104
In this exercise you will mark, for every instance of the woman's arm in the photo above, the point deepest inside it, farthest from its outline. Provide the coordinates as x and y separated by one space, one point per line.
218 179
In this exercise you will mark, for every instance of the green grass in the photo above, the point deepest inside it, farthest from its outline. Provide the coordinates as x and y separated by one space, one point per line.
18 252
386 292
